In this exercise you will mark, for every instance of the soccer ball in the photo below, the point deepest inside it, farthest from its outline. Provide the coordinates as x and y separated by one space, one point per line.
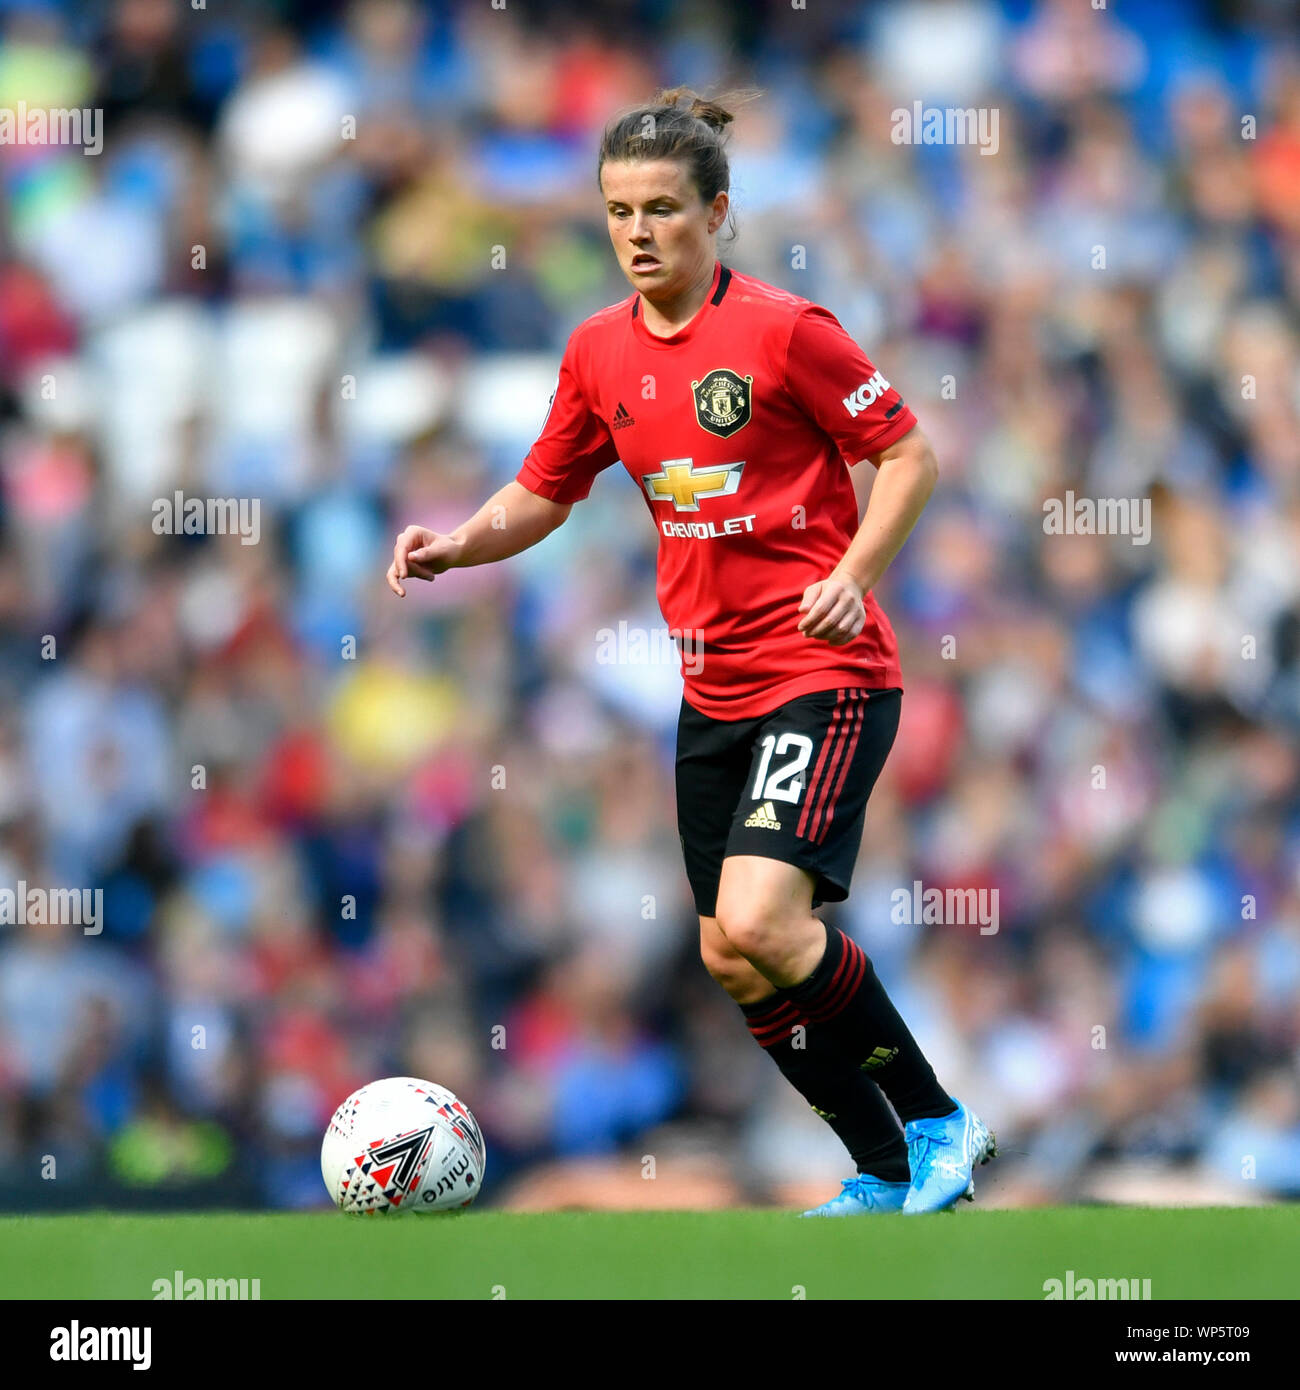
402 1144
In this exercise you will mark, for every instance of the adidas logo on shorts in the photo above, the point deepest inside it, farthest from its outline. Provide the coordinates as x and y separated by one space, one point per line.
880 1056
764 818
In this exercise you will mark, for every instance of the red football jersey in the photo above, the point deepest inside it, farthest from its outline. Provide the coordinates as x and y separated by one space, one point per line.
739 430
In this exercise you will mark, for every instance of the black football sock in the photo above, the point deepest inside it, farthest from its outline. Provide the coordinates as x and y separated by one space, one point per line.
839 1091
843 998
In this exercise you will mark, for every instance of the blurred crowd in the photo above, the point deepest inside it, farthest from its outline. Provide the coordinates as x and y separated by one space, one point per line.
328 259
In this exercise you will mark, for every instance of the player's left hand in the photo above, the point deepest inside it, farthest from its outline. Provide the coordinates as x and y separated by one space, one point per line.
832 610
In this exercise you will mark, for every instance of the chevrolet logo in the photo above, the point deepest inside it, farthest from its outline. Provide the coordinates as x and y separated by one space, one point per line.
678 480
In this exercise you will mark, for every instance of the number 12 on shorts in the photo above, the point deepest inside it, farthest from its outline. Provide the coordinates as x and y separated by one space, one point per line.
779 784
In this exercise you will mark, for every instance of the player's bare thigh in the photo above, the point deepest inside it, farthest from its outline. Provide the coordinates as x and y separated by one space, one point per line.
764 932
764 910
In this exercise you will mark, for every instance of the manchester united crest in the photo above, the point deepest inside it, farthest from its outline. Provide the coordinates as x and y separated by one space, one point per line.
723 402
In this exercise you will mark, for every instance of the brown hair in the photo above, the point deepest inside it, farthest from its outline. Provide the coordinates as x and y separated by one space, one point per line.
667 129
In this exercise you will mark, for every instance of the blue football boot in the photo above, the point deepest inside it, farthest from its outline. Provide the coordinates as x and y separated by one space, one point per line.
942 1154
863 1195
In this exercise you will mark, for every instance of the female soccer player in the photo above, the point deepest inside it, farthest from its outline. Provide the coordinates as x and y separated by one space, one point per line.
739 410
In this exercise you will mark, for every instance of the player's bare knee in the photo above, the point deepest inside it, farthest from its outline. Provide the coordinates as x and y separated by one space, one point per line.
727 966
736 977
752 927
719 967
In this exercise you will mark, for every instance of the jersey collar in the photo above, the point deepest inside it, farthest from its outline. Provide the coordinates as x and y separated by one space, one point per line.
717 290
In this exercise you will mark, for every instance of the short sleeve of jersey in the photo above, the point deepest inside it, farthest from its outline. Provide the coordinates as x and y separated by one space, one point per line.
574 444
837 384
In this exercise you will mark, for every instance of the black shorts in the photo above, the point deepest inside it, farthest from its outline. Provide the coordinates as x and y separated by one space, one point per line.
790 785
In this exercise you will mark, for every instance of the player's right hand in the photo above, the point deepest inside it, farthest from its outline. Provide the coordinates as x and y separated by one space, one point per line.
420 554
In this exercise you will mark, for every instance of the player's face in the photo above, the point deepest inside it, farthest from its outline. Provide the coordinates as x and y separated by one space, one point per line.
662 230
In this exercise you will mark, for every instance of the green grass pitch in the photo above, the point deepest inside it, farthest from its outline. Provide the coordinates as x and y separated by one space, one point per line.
1193 1253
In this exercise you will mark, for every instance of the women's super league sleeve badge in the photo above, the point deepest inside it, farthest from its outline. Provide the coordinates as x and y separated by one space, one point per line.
723 402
